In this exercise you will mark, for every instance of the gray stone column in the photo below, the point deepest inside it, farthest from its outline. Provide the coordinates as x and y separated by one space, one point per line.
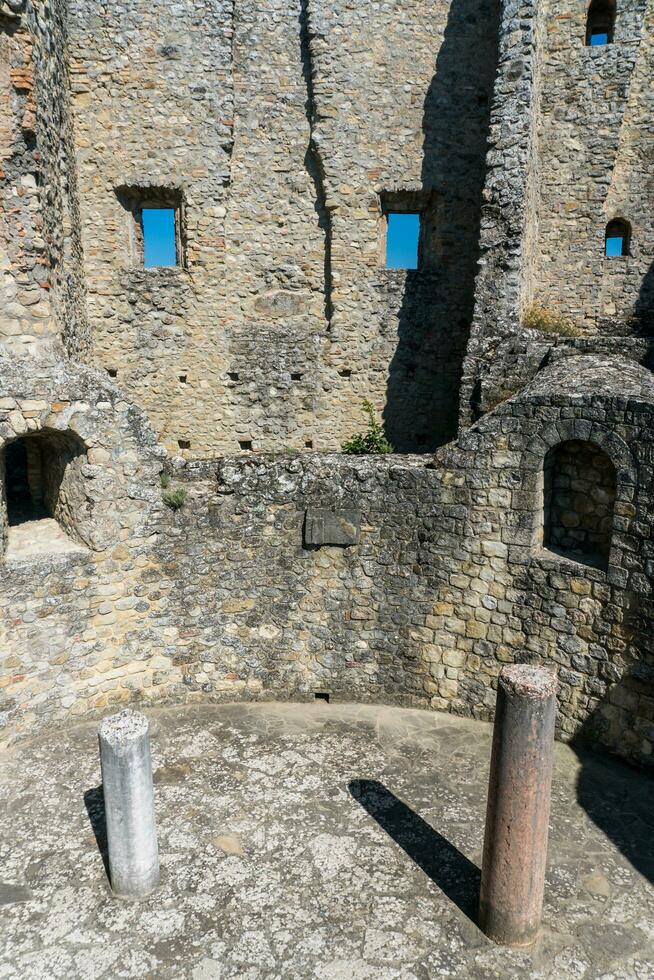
517 817
129 804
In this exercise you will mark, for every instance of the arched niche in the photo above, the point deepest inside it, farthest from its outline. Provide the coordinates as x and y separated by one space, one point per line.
579 485
600 23
617 238
44 502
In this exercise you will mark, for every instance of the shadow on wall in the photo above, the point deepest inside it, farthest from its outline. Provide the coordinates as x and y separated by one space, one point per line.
644 313
435 310
617 796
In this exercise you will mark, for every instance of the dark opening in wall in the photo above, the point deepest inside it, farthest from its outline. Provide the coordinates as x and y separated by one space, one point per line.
579 487
42 478
155 226
245 444
322 696
184 443
112 372
617 239
24 484
233 375
600 23
296 376
345 373
183 378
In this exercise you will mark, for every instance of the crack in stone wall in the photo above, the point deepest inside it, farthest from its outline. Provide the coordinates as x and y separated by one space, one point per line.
314 161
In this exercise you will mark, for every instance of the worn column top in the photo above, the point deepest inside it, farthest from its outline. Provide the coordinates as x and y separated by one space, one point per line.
529 681
125 726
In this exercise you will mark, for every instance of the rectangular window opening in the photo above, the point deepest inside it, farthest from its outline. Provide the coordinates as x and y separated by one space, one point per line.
159 237
402 239
155 226
321 696
614 246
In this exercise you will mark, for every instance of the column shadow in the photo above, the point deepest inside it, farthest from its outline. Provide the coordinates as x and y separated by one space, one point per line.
440 860
94 803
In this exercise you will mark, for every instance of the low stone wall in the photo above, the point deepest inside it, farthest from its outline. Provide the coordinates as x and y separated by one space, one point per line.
387 579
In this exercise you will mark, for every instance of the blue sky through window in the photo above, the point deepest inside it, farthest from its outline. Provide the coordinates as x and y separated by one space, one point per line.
159 238
402 236
598 38
614 245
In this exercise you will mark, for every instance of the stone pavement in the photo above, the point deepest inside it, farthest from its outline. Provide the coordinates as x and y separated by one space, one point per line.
326 841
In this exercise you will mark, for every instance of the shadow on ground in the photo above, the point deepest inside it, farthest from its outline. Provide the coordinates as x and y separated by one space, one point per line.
619 800
441 861
94 803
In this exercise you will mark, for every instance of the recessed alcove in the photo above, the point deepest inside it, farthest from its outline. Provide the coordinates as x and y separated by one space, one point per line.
578 500
41 477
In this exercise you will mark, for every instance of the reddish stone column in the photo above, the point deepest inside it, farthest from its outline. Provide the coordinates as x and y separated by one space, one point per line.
517 817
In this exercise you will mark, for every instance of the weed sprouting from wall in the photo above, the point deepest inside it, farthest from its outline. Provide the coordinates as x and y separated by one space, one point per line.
537 317
372 442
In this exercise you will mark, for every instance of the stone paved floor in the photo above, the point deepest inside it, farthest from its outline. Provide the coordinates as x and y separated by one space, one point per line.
315 841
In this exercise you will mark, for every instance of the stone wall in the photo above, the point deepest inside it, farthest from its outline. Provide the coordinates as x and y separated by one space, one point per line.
41 291
282 126
385 123
570 150
391 579
283 132
595 157
26 316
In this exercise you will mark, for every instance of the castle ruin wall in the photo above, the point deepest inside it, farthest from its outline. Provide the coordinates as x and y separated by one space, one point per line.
283 134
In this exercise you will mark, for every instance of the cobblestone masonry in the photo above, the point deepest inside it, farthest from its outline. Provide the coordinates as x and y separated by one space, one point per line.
284 139
447 582
570 149
283 131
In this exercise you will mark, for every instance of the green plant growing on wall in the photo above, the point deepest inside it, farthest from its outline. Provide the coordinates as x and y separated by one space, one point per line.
175 499
370 443
537 317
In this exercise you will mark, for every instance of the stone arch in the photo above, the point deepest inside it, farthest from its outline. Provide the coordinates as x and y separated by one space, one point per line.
617 232
604 463
579 483
112 461
600 21
42 478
